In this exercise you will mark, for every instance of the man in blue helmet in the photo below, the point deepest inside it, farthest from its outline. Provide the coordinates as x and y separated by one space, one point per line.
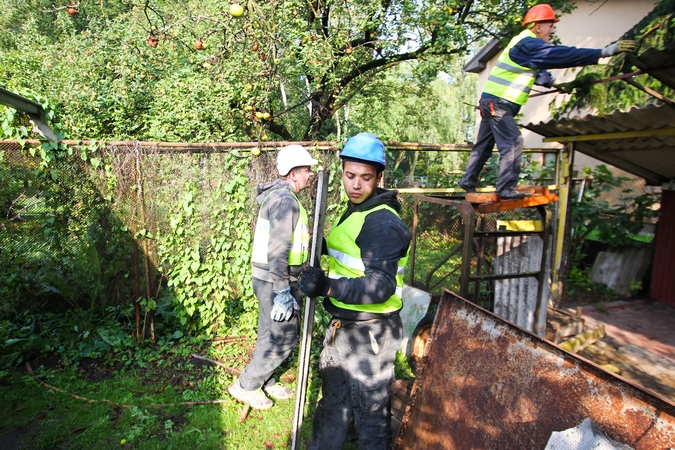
367 250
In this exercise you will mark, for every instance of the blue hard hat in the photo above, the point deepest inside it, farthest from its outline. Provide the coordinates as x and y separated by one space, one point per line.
365 147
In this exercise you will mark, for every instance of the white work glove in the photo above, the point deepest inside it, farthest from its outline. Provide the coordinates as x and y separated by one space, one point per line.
619 47
284 303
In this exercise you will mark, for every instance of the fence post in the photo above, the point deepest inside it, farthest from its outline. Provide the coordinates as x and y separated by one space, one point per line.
563 225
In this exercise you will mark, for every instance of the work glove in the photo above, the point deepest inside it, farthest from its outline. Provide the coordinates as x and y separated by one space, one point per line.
565 88
284 303
544 78
619 47
313 282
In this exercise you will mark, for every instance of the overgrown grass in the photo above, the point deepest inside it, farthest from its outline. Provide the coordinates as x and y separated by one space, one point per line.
117 404
84 394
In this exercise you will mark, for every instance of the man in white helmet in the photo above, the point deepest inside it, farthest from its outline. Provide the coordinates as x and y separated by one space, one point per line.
280 247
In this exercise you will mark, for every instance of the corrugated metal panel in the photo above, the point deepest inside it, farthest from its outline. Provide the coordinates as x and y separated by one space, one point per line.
663 272
516 298
649 157
489 384
652 157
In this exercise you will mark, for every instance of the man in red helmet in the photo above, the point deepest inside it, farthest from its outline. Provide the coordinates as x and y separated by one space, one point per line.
522 64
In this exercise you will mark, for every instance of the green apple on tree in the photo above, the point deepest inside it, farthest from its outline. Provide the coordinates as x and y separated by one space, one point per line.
236 10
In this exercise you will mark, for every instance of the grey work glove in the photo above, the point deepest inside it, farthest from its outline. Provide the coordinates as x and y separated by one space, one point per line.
544 78
284 303
619 47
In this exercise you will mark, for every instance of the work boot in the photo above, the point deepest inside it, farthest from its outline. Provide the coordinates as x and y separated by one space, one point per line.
511 195
279 392
257 399
468 189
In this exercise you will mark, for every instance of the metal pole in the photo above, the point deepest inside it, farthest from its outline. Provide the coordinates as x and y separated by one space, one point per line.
310 306
563 221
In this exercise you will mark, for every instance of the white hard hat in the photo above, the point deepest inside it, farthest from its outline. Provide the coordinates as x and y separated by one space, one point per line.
293 156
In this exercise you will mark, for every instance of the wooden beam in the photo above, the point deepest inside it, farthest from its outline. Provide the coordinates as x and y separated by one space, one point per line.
650 91
506 205
608 136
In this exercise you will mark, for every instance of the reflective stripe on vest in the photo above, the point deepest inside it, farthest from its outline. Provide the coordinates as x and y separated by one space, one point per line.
298 252
345 261
509 80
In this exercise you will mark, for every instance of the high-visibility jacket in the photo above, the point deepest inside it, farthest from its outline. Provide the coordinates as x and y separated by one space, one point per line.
509 80
345 261
298 252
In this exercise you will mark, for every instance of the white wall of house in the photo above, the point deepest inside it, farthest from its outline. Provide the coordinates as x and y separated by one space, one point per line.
593 24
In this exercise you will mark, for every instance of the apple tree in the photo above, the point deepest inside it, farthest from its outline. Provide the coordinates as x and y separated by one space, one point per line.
230 70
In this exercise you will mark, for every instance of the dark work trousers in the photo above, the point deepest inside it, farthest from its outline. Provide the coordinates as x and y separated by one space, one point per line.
275 341
498 126
357 369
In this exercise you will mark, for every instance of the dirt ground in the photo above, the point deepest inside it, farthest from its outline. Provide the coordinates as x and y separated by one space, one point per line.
639 342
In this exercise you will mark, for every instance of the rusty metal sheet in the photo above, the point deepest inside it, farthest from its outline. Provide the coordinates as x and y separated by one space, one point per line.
488 384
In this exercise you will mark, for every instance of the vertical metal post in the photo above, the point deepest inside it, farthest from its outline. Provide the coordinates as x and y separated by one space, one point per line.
310 306
467 213
480 259
540 309
414 241
564 204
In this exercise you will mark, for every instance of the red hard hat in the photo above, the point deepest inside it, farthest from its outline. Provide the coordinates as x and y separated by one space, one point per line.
540 13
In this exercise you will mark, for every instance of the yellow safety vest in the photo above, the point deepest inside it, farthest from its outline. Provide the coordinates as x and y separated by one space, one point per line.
509 80
298 252
345 261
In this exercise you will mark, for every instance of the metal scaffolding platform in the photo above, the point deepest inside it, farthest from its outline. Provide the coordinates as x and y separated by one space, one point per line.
499 255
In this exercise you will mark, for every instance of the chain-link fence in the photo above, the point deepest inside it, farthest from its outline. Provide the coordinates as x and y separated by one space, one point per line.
95 234
103 226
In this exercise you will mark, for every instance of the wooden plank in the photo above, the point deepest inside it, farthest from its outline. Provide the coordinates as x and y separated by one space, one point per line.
479 197
505 205
533 189
493 197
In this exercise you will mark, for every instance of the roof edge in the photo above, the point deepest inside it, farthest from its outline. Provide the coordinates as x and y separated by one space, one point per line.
479 62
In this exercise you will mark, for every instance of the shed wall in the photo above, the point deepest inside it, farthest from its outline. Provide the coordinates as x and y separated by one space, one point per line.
663 268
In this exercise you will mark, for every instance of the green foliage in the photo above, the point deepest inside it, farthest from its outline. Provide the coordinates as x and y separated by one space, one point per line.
74 335
402 368
635 287
615 224
211 280
114 403
656 30
403 105
610 223
60 239
583 290
531 172
132 71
